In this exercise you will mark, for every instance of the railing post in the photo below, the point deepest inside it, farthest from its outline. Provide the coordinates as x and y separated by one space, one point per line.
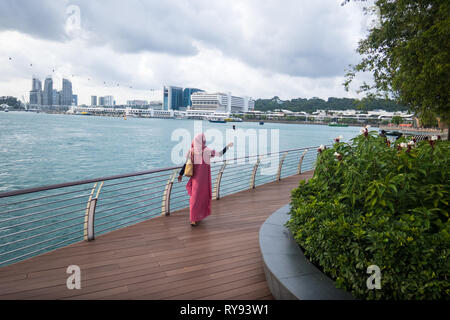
165 207
89 217
299 168
216 192
281 165
255 169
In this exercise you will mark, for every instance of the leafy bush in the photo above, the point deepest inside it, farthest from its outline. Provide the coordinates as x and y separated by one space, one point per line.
373 204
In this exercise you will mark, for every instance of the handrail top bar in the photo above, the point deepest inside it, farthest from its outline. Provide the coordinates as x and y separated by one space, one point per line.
265 154
79 182
119 176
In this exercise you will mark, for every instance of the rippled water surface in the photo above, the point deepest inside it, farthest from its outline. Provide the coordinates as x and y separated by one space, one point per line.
41 149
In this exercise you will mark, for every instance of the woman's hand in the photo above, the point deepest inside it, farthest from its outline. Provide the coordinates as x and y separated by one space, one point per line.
230 145
179 178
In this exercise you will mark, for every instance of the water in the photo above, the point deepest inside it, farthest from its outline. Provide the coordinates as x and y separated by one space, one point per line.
42 149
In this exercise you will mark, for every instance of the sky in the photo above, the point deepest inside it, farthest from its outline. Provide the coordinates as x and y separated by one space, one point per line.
131 49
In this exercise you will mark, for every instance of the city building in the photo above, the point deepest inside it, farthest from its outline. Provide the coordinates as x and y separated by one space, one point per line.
66 95
187 92
106 101
221 102
47 97
172 98
50 96
156 105
74 99
36 85
56 97
93 101
36 92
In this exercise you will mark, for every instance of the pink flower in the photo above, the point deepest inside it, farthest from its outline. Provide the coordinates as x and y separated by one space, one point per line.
321 148
365 130
337 139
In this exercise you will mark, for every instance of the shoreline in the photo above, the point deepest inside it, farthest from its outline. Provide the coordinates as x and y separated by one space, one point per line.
243 120
435 131
304 122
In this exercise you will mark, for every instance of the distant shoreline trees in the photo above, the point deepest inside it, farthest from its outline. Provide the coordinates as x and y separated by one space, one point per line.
332 103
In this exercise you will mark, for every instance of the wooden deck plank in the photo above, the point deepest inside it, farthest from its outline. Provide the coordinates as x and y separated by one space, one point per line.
164 257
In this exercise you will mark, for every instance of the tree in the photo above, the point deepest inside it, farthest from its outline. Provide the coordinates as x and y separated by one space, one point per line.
428 119
408 54
396 120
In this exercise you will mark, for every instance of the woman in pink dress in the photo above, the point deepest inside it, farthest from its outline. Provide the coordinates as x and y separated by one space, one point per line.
199 185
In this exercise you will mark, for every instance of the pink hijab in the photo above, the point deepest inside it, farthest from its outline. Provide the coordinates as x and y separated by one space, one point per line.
199 152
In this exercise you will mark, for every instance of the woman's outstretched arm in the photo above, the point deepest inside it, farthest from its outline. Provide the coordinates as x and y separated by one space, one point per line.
221 153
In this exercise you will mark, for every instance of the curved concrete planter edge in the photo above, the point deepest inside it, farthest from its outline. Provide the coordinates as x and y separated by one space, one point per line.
289 274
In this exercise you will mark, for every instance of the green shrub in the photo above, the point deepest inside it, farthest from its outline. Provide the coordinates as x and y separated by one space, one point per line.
371 204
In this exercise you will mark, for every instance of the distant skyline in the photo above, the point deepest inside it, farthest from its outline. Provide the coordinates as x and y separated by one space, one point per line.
132 49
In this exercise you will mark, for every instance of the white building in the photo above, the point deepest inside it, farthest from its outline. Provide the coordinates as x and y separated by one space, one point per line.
221 103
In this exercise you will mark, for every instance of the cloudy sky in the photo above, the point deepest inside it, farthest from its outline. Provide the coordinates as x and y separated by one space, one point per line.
130 49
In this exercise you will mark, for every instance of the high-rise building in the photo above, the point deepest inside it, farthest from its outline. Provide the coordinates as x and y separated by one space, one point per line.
36 92
35 97
56 97
51 96
37 84
172 98
187 92
48 92
74 99
66 93
109 101
93 101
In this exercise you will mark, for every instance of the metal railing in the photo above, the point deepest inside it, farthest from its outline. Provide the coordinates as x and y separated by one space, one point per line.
37 220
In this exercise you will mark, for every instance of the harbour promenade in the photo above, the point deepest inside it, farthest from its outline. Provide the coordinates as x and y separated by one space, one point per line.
163 257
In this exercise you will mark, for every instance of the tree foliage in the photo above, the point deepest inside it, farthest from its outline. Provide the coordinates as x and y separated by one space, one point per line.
332 103
371 203
11 101
408 54
397 120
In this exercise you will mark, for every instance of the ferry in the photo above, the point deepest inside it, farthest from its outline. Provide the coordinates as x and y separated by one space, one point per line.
233 119
335 124
217 120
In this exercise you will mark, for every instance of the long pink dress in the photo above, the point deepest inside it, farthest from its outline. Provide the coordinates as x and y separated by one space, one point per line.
199 185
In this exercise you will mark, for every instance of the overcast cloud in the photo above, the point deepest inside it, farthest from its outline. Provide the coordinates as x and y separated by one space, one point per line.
255 48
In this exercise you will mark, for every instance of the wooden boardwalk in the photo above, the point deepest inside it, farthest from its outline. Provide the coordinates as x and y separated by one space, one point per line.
163 258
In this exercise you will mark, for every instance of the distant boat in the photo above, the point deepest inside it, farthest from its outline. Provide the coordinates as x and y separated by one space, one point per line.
261 122
217 120
233 119
6 110
335 124
84 113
